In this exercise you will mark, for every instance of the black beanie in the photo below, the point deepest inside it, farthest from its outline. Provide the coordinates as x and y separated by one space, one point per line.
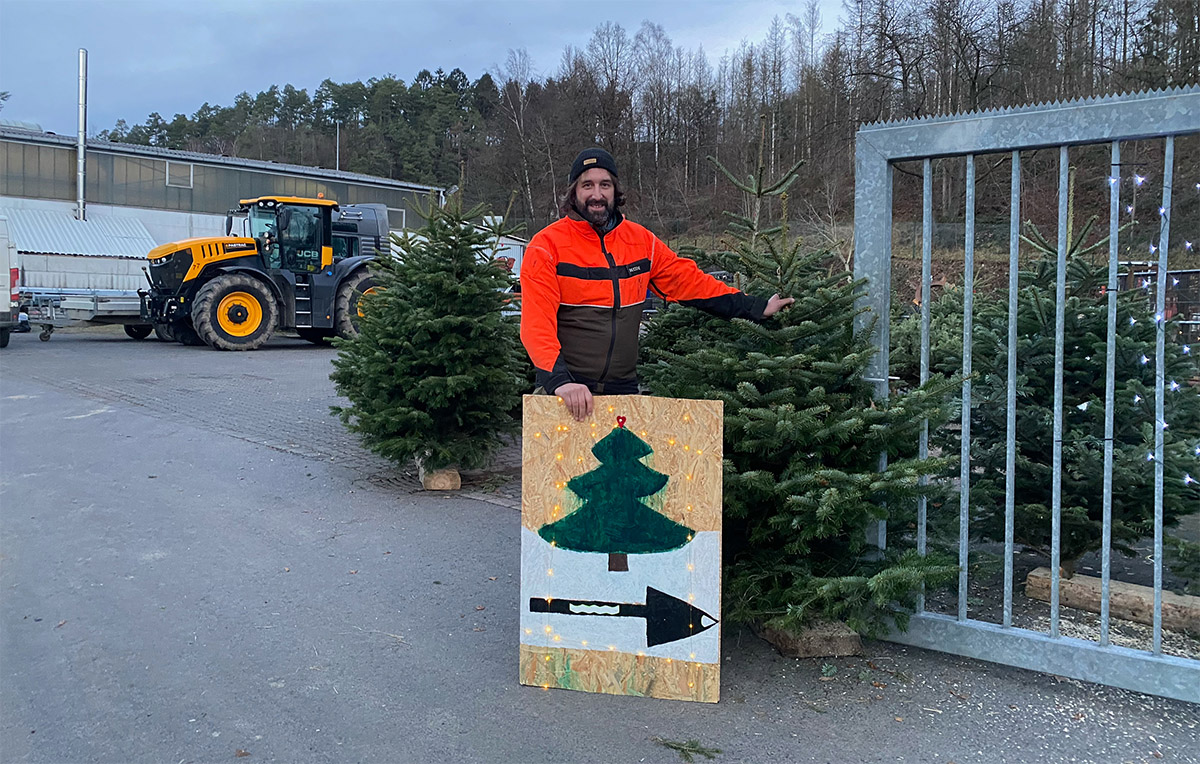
590 159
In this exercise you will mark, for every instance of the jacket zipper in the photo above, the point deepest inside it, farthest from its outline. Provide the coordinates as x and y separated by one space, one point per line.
616 283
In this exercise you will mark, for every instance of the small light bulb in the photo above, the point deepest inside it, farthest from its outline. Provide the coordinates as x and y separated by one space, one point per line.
1188 480
1083 406
1153 249
1137 398
1150 457
1145 360
1112 181
1138 179
1174 385
1187 245
1128 209
1132 320
1187 349
1162 210
1174 281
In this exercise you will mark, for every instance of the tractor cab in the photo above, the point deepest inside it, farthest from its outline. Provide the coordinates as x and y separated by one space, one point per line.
292 234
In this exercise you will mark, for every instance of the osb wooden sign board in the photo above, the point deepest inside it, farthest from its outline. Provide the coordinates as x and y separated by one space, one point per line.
621 547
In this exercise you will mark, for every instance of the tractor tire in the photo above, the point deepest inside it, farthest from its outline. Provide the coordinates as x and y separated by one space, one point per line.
235 311
347 310
317 336
186 334
164 333
138 331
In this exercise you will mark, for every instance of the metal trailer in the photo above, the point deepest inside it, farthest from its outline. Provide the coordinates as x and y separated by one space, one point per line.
51 309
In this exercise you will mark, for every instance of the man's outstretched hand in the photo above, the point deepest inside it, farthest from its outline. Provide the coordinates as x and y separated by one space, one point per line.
776 304
578 399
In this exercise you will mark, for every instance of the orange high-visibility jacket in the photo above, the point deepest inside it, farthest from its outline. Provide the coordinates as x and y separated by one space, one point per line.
582 297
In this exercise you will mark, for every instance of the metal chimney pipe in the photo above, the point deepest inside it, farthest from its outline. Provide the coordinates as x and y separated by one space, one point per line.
81 140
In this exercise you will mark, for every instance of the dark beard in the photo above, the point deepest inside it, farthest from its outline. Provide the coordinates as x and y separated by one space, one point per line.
597 217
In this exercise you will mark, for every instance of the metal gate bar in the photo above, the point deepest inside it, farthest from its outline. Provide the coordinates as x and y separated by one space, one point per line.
1110 383
1160 362
964 473
1010 430
1060 320
1161 114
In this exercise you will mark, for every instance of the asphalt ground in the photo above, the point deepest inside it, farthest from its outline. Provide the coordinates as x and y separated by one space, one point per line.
198 564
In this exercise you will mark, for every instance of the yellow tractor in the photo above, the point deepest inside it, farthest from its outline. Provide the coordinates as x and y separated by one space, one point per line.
300 264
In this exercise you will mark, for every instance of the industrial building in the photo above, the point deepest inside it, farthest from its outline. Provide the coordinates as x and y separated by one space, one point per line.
136 197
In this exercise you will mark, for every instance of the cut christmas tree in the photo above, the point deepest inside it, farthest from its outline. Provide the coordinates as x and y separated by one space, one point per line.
804 436
435 372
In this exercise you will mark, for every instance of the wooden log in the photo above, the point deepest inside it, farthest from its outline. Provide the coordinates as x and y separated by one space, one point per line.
1132 602
440 480
825 639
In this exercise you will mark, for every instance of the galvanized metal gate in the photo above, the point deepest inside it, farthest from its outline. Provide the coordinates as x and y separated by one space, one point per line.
1161 114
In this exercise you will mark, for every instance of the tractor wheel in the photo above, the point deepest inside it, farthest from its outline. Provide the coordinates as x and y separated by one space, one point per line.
347 310
186 334
235 311
317 336
164 333
138 331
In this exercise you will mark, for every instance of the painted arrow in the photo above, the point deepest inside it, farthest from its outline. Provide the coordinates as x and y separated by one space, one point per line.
667 618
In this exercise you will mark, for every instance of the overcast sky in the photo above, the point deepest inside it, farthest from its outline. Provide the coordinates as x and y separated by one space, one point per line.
171 56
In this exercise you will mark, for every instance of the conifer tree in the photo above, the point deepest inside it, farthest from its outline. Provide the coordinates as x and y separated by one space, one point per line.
1085 341
435 371
803 435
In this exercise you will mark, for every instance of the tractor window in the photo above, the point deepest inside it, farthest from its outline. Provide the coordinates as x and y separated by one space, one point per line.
344 246
300 241
262 223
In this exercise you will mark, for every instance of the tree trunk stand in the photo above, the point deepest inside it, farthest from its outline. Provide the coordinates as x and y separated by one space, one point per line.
824 639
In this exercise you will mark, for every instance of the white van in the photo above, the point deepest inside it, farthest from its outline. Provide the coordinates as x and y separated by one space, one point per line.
10 276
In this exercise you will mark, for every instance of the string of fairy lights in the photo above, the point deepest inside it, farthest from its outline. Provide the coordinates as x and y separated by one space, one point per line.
1161 317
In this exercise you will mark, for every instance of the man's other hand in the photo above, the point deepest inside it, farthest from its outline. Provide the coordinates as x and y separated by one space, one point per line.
578 399
776 304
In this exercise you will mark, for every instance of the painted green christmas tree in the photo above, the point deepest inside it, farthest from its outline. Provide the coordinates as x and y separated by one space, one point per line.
613 519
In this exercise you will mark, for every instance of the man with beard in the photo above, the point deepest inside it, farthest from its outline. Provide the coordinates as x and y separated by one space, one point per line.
585 278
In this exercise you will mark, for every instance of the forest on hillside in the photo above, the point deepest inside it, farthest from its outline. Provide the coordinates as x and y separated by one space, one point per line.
507 137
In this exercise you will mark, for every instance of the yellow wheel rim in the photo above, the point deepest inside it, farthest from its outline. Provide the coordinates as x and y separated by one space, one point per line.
367 291
239 314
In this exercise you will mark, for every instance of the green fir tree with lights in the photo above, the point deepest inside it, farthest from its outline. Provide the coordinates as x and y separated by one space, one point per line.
803 435
435 373
1085 342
